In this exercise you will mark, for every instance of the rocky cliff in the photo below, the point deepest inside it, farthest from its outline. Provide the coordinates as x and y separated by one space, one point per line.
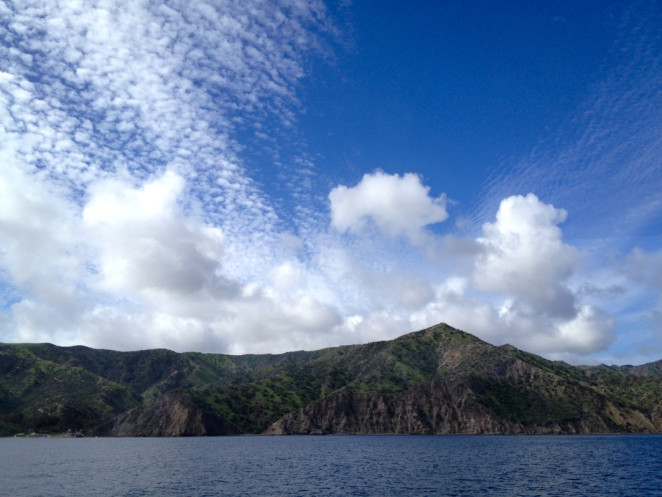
441 408
173 414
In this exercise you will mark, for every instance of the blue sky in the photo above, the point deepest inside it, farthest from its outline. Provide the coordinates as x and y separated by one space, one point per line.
236 177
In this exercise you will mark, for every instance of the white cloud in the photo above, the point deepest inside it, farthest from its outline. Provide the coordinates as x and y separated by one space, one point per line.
372 326
589 331
135 268
170 266
147 246
519 289
524 256
397 205
454 304
279 323
38 252
131 270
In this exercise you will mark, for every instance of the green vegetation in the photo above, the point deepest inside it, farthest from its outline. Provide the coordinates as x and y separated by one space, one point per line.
529 406
50 389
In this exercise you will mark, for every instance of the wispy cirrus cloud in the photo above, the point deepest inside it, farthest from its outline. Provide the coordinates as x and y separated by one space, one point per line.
603 167
614 140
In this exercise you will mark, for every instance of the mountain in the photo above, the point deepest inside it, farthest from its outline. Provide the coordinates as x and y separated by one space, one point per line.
439 380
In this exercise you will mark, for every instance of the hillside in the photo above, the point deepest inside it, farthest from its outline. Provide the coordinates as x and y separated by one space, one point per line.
439 380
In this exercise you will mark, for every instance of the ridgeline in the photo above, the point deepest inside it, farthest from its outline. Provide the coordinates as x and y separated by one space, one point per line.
439 380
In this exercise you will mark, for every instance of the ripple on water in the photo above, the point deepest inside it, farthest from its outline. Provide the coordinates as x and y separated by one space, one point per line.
545 466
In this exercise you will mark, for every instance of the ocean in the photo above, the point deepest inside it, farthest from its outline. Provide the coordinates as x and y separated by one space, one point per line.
397 465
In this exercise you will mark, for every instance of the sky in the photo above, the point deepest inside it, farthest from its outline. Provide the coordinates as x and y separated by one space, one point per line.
244 176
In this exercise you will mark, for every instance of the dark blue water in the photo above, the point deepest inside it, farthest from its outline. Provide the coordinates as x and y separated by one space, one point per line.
612 465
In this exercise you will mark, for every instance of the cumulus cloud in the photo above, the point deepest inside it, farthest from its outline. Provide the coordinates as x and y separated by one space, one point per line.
131 269
147 246
152 275
519 288
170 267
588 331
454 303
35 220
134 267
39 257
397 205
523 255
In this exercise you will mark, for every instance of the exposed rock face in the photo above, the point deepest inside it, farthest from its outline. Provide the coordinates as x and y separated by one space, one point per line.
170 415
430 408
442 408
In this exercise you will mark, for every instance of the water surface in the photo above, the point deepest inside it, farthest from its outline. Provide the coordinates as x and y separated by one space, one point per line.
610 465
